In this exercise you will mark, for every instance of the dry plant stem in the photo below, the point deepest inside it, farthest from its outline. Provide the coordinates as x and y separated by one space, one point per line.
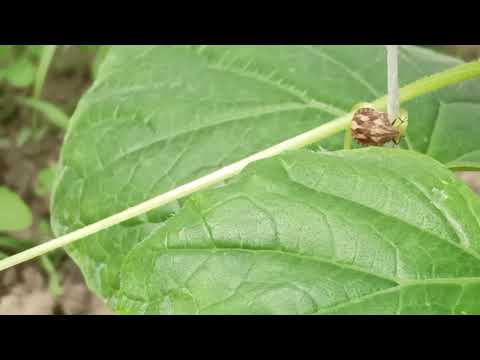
419 87
392 79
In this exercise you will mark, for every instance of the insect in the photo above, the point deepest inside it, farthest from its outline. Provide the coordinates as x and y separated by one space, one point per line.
373 128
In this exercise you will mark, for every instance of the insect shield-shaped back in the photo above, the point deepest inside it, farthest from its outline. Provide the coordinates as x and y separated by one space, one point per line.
372 128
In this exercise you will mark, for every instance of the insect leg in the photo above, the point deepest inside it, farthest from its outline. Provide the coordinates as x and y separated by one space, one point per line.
398 119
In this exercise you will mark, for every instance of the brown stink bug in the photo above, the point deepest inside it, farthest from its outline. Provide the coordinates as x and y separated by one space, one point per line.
373 128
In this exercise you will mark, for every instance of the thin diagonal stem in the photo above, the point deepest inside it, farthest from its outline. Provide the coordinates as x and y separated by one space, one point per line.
392 79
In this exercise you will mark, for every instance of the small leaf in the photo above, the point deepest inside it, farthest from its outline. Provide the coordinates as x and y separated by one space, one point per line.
5 52
467 162
45 180
52 113
14 213
21 73
45 229
35 50
23 135
14 245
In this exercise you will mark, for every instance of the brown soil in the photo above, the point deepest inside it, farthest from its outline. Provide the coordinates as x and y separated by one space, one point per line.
24 291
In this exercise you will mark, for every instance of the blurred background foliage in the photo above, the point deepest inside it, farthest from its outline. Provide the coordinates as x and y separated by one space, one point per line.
40 86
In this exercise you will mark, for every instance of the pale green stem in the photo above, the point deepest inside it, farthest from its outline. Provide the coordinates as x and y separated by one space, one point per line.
420 87
45 60
434 82
392 82
52 113
53 280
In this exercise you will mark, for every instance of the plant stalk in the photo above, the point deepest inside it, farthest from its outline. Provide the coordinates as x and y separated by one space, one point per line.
413 90
393 107
45 61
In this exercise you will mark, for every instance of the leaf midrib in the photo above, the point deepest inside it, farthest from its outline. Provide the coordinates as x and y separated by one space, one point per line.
324 260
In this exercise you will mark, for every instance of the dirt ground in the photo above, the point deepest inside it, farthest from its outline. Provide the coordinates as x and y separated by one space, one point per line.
24 289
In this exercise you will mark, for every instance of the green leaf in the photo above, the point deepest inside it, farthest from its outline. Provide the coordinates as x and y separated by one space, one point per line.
35 50
23 135
48 51
52 113
101 53
457 132
364 231
14 213
45 180
21 73
159 116
5 52
469 161
15 245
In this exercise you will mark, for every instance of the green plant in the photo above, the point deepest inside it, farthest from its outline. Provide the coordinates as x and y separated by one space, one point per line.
15 213
23 71
16 216
101 54
18 67
27 66
45 180
374 230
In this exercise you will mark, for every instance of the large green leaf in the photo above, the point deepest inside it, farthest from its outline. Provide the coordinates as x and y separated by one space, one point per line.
159 116
374 230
